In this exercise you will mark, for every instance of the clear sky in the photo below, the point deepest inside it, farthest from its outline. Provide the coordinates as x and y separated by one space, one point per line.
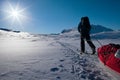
52 16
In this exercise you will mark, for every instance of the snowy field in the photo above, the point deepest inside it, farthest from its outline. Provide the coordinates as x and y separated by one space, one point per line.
50 57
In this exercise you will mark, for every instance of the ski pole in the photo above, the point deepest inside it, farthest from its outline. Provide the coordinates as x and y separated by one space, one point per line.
98 42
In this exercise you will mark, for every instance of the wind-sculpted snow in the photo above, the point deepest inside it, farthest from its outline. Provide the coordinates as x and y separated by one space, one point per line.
49 57
15 34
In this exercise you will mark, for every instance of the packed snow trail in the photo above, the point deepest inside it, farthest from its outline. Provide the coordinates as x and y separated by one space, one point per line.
85 66
46 57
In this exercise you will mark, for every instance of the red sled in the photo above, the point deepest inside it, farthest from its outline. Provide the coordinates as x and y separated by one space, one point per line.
109 55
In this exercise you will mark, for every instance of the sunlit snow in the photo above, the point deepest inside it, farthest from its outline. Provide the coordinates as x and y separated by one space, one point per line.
25 56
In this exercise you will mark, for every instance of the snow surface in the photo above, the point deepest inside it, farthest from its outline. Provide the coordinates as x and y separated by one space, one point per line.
25 56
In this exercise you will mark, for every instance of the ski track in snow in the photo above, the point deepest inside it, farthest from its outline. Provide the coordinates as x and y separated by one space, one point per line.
50 58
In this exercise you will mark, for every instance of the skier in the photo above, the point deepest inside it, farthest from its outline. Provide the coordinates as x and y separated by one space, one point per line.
84 29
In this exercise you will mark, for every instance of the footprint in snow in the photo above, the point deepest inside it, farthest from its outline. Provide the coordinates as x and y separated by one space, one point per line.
58 78
61 66
62 60
54 69
91 76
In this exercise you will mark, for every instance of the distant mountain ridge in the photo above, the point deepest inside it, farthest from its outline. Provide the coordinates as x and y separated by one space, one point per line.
94 29
103 33
4 29
99 28
9 30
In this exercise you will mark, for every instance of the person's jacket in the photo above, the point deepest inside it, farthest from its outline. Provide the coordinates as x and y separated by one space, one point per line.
84 29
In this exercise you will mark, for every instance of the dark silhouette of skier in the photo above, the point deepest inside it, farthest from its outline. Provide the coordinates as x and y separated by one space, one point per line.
84 28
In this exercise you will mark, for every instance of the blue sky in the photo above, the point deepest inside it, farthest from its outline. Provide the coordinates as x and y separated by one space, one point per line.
52 16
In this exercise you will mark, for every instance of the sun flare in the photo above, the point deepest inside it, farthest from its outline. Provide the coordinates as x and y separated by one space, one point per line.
15 14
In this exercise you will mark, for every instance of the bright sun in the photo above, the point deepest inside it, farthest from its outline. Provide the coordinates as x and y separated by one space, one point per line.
15 14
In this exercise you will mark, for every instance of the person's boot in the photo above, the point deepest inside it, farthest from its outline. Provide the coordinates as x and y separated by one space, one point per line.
81 52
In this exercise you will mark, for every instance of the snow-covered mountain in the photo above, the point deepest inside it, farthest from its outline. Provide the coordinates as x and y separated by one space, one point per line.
99 28
97 32
25 56
4 29
94 29
9 30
